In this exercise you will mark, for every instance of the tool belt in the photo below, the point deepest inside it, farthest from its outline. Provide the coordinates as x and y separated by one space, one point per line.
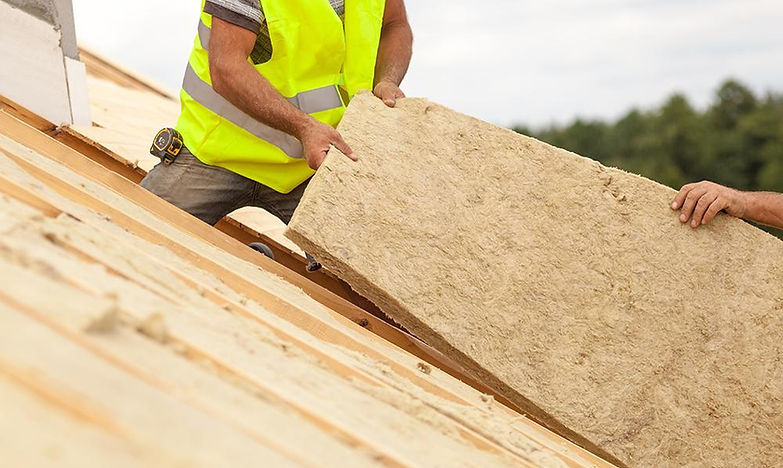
167 145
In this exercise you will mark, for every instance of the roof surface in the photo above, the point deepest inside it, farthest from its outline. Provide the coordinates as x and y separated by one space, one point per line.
136 334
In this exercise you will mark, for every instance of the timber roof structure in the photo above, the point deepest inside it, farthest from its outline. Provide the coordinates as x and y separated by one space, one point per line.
136 334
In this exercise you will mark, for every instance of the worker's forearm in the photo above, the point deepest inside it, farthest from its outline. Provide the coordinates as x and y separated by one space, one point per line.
394 52
247 89
764 207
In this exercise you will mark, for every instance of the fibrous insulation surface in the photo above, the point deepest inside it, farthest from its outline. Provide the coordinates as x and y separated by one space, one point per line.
570 286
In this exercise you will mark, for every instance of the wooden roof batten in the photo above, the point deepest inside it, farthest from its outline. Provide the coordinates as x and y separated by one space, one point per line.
327 297
34 138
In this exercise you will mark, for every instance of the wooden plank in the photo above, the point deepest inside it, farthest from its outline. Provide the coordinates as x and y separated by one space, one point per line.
69 320
157 365
210 330
291 314
48 364
98 153
33 432
93 150
77 91
24 195
103 67
329 356
296 263
337 367
21 132
172 241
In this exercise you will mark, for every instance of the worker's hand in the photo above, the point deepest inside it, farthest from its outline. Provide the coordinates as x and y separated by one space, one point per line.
317 138
388 92
701 201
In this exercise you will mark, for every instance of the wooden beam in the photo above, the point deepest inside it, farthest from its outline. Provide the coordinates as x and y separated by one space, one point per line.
159 367
119 165
76 379
297 263
24 195
104 68
43 443
270 301
97 152
183 331
22 132
328 357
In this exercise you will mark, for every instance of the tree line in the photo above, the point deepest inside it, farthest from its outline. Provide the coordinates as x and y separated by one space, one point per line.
736 141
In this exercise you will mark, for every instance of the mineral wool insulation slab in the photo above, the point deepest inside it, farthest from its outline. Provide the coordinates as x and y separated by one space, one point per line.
570 287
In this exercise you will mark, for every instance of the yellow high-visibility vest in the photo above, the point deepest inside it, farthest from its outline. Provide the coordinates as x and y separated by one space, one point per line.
318 63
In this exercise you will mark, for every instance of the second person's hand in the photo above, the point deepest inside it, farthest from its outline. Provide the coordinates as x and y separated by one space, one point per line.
701 201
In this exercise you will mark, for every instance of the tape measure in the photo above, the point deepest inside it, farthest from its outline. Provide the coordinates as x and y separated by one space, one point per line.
167 145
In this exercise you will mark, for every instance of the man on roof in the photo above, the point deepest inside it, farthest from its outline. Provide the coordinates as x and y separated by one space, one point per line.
266 84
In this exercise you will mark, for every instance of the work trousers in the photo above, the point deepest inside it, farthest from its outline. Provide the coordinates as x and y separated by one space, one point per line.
210 192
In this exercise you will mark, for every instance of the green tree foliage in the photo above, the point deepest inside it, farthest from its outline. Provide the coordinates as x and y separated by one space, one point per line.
737 141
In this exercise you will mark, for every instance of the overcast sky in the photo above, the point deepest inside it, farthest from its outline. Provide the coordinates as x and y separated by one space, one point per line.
512 60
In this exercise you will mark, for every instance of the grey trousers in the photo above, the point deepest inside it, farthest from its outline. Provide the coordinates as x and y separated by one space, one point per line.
211 192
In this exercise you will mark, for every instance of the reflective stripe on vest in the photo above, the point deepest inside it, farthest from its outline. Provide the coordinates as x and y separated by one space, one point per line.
203 93
322 59
315 100
309 102
204 32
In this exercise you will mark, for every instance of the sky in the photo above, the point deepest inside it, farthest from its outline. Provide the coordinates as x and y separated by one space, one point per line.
510 61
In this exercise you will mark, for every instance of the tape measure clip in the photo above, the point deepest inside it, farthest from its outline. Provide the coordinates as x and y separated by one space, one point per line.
166 145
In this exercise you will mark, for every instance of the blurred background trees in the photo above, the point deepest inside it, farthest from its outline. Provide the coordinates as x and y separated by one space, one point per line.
737 141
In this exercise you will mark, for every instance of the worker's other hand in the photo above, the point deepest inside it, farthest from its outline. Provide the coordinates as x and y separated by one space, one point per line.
701 201
388 92
317 138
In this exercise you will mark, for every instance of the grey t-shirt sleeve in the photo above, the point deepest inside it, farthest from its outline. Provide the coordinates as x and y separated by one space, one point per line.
244 13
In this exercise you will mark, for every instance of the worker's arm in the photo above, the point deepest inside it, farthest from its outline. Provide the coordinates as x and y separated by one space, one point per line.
234 78
394 53
700 202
